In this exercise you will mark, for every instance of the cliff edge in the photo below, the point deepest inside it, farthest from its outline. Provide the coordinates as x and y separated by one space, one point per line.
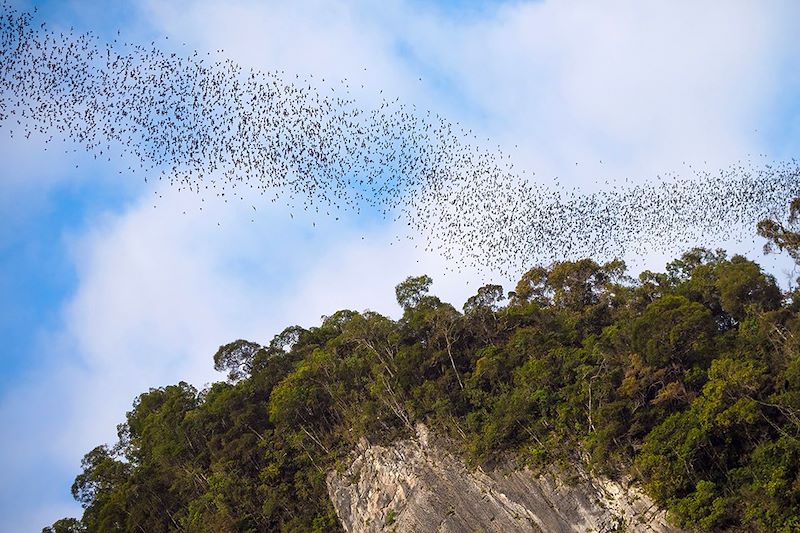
416 485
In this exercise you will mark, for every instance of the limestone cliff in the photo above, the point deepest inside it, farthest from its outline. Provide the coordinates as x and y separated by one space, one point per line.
415 485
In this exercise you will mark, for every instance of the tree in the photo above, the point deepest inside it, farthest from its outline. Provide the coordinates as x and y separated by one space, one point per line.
784 237
673 330
412 291
101 490
533 287
742 286
65 525
487 298
481 311
578 284
684 267
237 358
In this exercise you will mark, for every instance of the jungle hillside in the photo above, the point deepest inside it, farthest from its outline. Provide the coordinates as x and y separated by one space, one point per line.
687 380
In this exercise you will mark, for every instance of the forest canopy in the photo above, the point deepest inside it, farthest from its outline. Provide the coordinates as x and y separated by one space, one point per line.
688 380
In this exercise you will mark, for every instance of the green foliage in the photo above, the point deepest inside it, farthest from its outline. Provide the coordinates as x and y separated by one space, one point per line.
391 517
412 291
65 525
783 236
688 380
237 358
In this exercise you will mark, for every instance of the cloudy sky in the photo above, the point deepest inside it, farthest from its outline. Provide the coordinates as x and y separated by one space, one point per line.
102 295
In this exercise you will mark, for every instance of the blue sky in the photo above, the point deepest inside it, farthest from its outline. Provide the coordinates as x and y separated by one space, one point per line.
104 296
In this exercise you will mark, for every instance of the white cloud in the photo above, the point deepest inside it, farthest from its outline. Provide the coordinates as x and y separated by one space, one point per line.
641 86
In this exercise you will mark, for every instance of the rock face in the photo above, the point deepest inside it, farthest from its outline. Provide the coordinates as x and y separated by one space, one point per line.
416 486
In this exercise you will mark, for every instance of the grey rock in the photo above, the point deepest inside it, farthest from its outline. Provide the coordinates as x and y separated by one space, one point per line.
416 485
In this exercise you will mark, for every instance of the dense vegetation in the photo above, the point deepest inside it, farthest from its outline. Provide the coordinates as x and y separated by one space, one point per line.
688 380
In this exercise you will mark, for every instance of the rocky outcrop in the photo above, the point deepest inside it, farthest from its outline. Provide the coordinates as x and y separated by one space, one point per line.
415 485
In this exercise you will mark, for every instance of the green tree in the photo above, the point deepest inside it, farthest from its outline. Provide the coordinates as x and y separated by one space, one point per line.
412 291
784 237
236 358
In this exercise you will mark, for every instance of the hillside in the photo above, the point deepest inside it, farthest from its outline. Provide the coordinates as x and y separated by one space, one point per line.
685 382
